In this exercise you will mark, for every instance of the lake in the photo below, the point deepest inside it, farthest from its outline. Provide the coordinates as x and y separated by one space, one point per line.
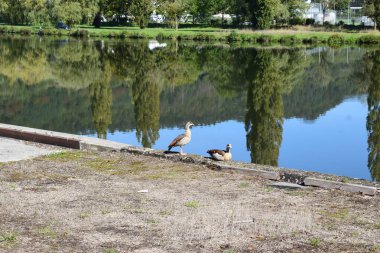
308 108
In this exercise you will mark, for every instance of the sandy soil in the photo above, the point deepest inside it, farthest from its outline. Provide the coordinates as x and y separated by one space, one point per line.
117 202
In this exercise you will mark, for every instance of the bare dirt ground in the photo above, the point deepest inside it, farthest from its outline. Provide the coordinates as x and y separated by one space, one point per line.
92 202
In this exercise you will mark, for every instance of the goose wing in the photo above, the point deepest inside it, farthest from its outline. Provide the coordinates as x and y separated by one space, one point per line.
217 154
176 140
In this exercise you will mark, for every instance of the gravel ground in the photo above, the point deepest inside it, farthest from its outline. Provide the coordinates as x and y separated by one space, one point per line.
118 202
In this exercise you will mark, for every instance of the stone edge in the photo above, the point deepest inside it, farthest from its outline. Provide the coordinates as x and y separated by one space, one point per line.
88 143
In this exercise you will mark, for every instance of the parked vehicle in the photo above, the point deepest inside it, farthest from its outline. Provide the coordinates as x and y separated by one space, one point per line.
61 25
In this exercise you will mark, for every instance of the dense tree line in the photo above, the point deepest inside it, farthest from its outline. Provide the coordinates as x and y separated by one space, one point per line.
259 13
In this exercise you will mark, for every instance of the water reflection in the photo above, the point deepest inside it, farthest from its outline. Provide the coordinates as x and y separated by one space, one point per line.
108 87
373 118
101 102
146 96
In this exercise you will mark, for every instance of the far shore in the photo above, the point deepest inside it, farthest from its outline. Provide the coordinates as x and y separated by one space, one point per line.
333 36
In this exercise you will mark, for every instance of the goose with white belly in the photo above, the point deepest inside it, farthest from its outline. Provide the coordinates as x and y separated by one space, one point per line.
183 139
221 155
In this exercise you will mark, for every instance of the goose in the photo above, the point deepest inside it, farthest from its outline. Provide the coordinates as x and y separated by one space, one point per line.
183 139
221 155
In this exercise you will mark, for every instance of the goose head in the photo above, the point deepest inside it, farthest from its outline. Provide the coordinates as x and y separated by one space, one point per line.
229 147
189 125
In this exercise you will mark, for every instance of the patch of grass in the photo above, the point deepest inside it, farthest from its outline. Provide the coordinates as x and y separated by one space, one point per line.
355 234
17 176
192 204
229 251
339 214
268 189
345 180
105 211
47 231
315 242
84 215
112 250
165 213
243 185
152 221
139 210
375 248
8 238
107 166
376 226
360 222
137 166
65 156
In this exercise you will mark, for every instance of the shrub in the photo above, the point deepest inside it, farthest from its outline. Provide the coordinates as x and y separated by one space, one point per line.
203 37
233 36
335 40
264 39
80 33
160 36
136 36
123 35
296 21
311 40
310 21
25 32
3 29
111 35
246 37
289 40
369 39
341 23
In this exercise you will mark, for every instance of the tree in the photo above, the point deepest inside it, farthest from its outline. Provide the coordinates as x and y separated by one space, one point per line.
264 12
141 9
68 12
173 10
296 7
369 11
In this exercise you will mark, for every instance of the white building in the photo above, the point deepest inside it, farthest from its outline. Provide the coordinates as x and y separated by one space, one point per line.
315 12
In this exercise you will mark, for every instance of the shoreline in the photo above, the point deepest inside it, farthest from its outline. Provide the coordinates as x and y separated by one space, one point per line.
288 37
267 172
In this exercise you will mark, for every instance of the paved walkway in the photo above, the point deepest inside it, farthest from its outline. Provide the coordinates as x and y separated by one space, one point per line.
16 150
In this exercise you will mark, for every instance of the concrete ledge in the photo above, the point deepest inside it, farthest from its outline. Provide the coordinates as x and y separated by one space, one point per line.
267 172
368 190
34 136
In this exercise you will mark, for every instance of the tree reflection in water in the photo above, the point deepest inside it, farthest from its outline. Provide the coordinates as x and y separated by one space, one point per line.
373 117
275 72
101 102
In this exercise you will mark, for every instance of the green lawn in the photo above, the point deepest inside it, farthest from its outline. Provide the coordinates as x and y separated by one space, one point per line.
296 35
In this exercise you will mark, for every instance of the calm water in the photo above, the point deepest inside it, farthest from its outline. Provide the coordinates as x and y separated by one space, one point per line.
306 108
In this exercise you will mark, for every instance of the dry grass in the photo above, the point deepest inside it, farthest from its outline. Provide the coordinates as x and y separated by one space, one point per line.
93 203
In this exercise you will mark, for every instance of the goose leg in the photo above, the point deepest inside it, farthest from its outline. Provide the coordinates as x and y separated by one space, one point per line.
181 152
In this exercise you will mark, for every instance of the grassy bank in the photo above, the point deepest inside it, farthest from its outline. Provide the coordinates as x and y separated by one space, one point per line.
298 35
118 202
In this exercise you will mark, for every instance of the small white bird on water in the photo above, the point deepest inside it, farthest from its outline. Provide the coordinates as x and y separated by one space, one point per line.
221 155
183 139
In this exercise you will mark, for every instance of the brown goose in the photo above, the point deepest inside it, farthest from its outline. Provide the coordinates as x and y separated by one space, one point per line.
221 155
183 139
